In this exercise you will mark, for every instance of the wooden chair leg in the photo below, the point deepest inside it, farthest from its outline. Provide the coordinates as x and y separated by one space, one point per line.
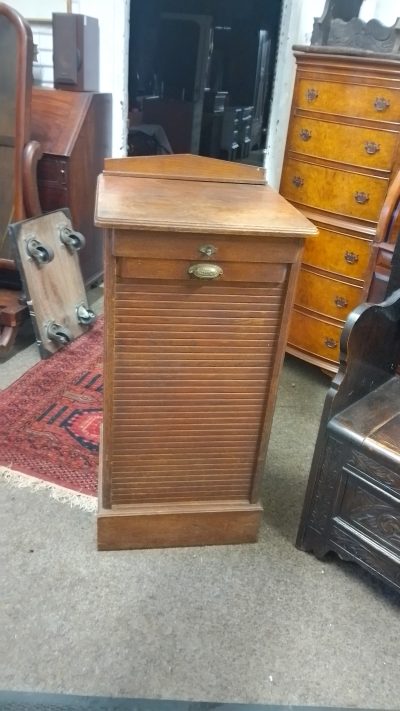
8 335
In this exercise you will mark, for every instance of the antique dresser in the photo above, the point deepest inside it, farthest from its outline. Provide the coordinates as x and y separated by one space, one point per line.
74 130
201 262
342 153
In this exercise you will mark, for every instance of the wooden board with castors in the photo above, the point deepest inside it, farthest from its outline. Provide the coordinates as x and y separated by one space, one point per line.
47 257
201 263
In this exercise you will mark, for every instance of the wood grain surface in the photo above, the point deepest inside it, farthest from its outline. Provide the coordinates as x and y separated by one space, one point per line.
192 364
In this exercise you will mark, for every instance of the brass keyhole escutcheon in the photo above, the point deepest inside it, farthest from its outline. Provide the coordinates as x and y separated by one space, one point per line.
350 257
305 134
361 198
207 249
341 302
298 181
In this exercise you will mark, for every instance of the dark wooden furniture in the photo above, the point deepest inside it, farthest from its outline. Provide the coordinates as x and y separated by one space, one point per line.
18 158
352 503
212 122
74 129
341 156
184 44
75 52
201 262
247 73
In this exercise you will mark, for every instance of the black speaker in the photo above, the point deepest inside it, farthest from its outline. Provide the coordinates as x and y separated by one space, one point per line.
75 52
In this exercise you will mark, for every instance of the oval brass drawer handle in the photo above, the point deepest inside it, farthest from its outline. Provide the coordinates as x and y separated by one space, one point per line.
305 134
311 95
341 302
297 181
361 198
381 104
330 343
350 257
370 147
205 271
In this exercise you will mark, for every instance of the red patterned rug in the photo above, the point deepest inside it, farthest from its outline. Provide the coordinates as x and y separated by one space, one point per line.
50 418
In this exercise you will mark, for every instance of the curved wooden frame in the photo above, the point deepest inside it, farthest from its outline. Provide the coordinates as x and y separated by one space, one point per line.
23 102
25 199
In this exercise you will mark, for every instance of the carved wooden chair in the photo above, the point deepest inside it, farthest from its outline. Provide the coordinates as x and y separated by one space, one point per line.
18 160
352 504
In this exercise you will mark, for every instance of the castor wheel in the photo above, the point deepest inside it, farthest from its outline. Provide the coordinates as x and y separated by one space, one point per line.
73 240
39 252
58 334
85 316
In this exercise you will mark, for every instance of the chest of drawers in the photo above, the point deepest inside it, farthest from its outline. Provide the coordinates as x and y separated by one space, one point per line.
342 154
201 263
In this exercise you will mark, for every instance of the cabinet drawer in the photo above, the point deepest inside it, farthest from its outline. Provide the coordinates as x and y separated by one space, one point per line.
159 245
314 336
179 270
340 142
327 296
380 474
338 253
348 99
372 512
53 171
337 191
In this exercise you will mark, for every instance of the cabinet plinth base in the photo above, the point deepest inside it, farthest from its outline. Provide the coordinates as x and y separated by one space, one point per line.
174 526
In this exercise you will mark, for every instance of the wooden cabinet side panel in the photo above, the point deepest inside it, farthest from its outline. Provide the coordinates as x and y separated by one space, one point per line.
270 401
86 163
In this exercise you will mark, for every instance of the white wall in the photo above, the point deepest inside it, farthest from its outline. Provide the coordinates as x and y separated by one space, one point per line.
387 11
296 28
113 20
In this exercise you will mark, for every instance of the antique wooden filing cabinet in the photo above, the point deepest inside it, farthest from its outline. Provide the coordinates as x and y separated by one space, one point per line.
201 263
342 153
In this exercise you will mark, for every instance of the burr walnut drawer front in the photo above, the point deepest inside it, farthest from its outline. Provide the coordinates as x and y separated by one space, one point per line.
337 191
328 296
371 148
349 99
314 335
200 272
202 247
338 253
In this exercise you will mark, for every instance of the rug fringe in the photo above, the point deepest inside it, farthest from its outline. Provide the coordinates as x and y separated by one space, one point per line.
59 493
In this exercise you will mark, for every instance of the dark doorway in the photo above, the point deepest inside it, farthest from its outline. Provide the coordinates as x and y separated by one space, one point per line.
200 76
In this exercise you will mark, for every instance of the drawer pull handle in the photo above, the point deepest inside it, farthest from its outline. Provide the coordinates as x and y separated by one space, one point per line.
371 147
381 104
330 343
297 181
341 302
351 258
311 95
305 134
361 198
205 271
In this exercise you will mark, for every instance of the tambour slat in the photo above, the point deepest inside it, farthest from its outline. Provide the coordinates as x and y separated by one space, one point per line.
192 368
